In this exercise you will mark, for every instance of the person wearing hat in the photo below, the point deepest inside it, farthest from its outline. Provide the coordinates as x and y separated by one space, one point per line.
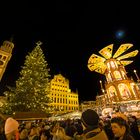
11 129
90 120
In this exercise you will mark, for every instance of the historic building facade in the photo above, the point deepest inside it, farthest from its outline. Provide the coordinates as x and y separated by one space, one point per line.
63 99
5 56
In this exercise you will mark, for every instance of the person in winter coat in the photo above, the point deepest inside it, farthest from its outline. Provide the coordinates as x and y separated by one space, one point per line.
92 131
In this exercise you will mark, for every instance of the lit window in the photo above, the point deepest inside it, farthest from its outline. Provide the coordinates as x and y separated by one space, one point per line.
123 74
112 64
108 66
117 75
4 58
124 91
109 77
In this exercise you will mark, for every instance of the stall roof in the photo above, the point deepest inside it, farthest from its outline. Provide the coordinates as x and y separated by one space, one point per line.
30 115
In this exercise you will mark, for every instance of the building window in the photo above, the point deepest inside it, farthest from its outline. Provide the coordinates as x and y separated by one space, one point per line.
4 58
123 74
109 77
117 75
112 64
108 66
55 99
134 89
124 91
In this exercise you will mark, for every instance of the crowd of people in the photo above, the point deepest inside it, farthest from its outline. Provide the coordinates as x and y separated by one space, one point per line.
90 127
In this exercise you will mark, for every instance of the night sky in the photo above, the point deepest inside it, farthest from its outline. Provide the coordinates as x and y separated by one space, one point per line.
70 32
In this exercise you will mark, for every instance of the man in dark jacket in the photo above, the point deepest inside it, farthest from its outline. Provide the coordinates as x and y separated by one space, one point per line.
92 130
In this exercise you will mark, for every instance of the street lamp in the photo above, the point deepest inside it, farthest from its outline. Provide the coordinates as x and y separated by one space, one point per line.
138 79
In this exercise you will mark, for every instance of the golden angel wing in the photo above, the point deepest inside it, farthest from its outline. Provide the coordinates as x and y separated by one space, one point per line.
122 49
107 51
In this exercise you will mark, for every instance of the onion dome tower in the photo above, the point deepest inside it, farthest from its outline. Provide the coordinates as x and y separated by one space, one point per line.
5 56
118 86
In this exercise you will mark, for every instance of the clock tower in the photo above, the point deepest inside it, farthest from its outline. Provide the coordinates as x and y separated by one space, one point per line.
5 55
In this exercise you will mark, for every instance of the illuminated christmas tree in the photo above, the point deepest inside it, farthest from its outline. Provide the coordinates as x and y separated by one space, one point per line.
32 88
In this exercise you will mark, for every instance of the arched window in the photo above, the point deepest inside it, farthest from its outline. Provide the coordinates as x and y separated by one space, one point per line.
134 89
124 91
117 75
116 64
109 77
112 64
108 66
123 74
112 93
4 58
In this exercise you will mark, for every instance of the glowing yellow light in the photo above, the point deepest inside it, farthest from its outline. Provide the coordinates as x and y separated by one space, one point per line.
97 63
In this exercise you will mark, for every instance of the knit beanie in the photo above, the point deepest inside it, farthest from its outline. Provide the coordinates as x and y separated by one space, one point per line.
90 117
11 125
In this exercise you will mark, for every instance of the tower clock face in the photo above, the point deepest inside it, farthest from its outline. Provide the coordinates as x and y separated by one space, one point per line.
1 62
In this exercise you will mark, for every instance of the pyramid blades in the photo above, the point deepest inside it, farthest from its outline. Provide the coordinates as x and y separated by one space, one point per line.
128 55
107 51
101 68
95 63
127 62
122 49
95 59
98 67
